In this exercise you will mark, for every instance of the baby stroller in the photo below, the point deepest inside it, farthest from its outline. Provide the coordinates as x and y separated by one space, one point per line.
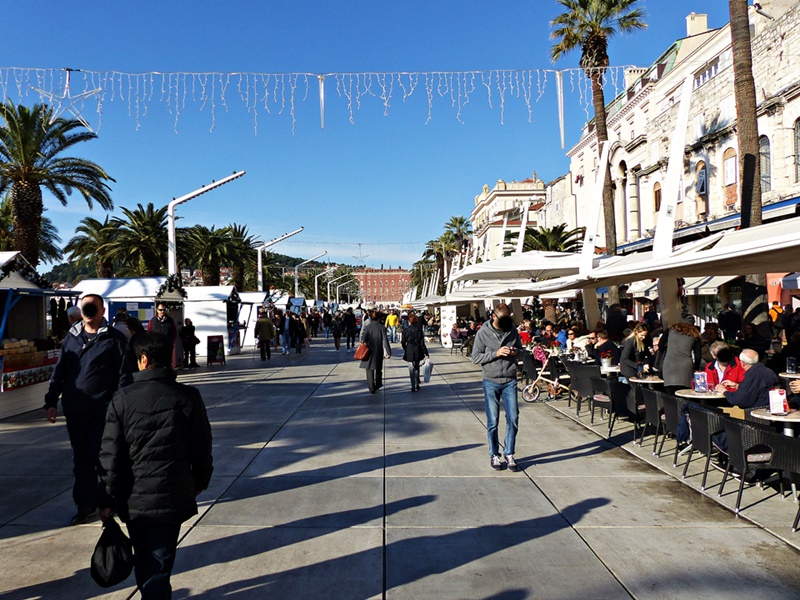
549 360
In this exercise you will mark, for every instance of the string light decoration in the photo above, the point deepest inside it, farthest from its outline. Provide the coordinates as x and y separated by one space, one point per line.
278 94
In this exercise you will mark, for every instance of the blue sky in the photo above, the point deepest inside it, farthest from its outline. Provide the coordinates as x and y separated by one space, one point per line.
389 182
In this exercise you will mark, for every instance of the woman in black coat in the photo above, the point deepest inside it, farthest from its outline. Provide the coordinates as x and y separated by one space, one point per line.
189 342
374 336
414 348
635 352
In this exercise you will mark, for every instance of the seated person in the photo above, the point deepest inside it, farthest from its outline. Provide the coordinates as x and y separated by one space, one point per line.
455 334
754 388
561 336
651 361
710 337
723 367
602 345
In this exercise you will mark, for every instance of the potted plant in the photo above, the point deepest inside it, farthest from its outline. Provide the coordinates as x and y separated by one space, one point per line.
605 358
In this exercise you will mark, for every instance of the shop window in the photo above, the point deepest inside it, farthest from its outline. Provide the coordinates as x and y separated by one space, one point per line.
766 163
701 182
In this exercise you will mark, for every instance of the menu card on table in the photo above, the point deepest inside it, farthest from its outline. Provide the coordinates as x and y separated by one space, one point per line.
700 382
778 404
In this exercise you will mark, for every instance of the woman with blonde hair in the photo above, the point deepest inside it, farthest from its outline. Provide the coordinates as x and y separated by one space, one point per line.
635 352
681 349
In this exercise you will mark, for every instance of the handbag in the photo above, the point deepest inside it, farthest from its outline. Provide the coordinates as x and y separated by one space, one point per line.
112 559
195 340
362 352
427 367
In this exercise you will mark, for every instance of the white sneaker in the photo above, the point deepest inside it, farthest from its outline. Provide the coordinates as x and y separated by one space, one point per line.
496 463
512 463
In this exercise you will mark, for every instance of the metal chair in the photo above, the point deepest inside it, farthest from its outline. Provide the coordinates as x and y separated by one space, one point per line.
757 446
652 412
705 423
457 345
672 406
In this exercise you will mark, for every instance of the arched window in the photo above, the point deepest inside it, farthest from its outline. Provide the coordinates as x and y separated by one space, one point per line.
701 179
766 163
657 196
797 151
730 167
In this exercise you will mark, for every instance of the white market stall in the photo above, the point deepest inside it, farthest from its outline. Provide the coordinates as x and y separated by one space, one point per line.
28 351
251 303
214 311
136 295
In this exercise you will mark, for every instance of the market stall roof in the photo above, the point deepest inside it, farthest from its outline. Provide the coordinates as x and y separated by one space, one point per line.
133 289
253 297
19 270
729 253
528 265
206 293
791 282
705 286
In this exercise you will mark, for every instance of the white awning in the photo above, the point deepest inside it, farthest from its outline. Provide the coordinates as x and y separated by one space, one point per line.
705 286
643 289
205 293
528 266
142 289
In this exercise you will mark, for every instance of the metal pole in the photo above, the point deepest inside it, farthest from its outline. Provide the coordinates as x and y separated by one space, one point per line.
172 256
331 281
264 247
297 273
340 285
316 282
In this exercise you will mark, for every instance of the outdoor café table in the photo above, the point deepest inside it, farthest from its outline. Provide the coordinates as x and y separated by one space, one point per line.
789 375
610 370
648 381
702 397
787 420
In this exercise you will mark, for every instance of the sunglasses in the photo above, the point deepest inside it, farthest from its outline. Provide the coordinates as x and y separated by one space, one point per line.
161 309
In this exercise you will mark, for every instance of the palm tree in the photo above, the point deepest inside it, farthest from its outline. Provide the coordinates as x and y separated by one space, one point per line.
32 143
754 291
48 235
140 244
209 249
241 253
461 229
588 25
90 244
553 239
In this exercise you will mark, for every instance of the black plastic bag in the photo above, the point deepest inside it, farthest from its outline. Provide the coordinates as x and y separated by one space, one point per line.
112 559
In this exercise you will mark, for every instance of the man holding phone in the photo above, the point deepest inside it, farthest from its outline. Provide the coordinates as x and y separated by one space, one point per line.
94 363
496 347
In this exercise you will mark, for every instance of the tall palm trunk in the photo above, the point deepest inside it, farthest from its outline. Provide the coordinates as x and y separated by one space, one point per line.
238 276
609 218
754 291
211 273
27 207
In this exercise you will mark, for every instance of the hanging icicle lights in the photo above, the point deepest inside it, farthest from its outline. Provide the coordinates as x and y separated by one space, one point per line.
279 93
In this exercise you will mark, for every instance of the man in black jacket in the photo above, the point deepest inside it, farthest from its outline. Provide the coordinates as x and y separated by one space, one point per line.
155 459
93 364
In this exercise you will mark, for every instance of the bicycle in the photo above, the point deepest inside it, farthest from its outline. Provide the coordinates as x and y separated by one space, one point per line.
533 391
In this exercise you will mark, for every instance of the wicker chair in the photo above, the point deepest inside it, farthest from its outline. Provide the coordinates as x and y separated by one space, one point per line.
636 410
582 381
610 394
753 445
705 422
652 411
672 414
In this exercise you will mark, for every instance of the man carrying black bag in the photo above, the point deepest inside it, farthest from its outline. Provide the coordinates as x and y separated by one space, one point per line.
155 458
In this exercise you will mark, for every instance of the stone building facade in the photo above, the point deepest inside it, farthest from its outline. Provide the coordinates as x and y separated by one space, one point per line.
641 121
503 208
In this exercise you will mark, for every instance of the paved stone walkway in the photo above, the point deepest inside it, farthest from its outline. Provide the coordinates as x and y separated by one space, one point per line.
322 490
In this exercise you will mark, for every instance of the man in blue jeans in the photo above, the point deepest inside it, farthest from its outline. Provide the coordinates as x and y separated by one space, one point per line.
496 347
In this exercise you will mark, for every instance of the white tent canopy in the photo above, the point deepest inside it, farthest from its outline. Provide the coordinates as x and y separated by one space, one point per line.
729 253
138 289
528 266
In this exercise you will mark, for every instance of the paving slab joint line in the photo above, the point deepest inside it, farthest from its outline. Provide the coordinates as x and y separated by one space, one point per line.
237 477
713 497
589 547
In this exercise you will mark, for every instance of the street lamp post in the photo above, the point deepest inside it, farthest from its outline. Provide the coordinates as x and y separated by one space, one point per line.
172 256
297 273
264 247
316 282
340 285
331 281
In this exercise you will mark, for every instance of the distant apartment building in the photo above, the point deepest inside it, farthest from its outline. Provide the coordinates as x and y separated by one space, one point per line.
382 286
508 206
